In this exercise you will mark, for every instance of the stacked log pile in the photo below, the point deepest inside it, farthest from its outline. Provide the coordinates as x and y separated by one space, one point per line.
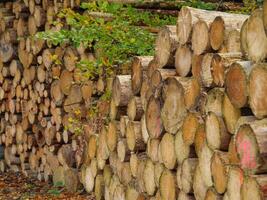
44 97
186 123
193 116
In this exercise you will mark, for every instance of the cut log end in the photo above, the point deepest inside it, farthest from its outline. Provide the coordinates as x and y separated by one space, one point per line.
217 33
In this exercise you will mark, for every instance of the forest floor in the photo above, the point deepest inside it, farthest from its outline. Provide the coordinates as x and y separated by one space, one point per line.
15 186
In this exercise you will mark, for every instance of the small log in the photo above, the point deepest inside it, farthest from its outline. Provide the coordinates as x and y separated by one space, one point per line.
255 37
102 150
192 91
134 136
183 60
70 58
212 194
254 187
154 123
134 109
232 41
166 44
7 52
219 171
182 150
214 101
173 110
99 187
199 186
153 150
149 174
158 169
66 156
204 164
167 186
196 67
72 102
88 178
107 173
123 150
123 124
236 83
235 181
32 27
56 93
216 133
167 150
39 16
191 120
121 90
187 173
134 160
112 135
243 38
144 89
257 90
201 44
200 139
66 79
145 134
230 114
250 148
139 66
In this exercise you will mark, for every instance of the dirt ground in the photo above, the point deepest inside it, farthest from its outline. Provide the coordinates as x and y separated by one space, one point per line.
17 186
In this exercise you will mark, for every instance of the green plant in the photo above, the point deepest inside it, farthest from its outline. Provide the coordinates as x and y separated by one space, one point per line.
200 4
113 41
56 189
249 6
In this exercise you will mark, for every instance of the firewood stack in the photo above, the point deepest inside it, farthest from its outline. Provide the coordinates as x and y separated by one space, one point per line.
186 123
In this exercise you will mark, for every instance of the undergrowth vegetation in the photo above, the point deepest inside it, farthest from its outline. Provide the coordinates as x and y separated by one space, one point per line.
114 37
